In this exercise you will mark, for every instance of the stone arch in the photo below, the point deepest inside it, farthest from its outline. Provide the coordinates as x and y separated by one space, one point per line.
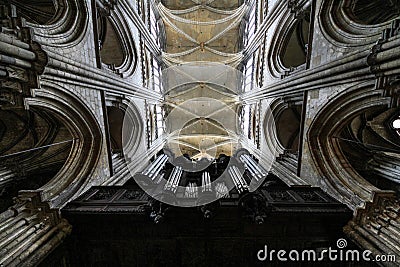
68 26
115 121
372 12
341 27
289 47
133 128
286 114
37 12
86 147
111 49
34 147
117 43
324 142
287 119
294 51
271 141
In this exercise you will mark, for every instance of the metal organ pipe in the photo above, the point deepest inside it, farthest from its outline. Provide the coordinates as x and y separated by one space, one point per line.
170 179
152 165
235 181
156 171
173 180
256 165
155 167
191 190
249 167
238 179
253 167
206 182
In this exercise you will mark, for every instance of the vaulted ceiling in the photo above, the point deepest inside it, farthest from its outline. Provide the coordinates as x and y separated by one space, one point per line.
202 97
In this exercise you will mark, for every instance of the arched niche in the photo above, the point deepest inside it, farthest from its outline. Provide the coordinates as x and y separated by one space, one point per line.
34 146
86 147
110 42
372 12
117 49
285 132
286 114
289 48
115 122
355 23
328 137
41 12
294 51
133 128
288 128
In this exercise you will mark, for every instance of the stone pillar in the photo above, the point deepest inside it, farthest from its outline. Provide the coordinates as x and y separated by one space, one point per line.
21 59
6 177
386 165
29 231
384 62
377 227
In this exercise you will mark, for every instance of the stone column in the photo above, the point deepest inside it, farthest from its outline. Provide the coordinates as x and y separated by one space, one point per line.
21 59
29 231
386 165
377 227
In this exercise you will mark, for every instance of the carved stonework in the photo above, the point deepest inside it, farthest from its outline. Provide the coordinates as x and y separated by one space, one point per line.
281 196
132 195
383 54
376 226
104 194
22 59
255 207
311 196
105 6
33 202
379 213
299 10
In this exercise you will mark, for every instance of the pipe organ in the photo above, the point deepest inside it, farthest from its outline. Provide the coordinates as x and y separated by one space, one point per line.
154 169
174 179
254 168
238 179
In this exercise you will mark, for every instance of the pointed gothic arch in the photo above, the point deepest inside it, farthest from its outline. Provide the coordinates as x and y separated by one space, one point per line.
324 142
84 128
